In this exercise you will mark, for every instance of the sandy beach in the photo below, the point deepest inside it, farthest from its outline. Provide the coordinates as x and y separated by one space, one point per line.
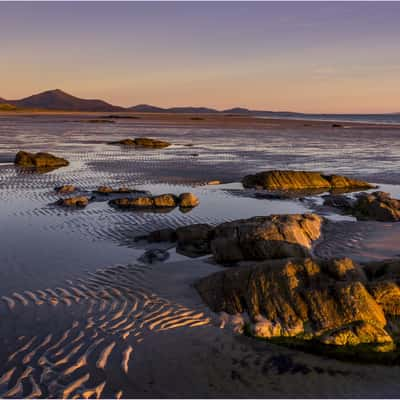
82 317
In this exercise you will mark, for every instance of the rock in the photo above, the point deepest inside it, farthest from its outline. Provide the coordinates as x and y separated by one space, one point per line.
188 200
78 201
194 240
378 206
139 202
39 160
337 126
338 201
356 333
165 200
260 238
143 142
300 297
215 182
154 256
300 180
65 189
162 235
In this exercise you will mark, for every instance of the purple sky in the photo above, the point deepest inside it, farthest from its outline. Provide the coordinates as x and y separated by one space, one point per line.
313 57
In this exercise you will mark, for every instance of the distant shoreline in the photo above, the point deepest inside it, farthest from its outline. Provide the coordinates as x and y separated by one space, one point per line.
210 119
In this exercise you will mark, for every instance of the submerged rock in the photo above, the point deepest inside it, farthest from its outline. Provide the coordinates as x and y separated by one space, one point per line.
301 180
78 201
39 160
154 256
143 142
194 240
326 300
377 206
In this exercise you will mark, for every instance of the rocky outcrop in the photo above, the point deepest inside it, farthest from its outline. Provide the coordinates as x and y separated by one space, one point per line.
331 301
107 190
257 238
143 142
260 238
78 201
378 206
65 189
184 201
39 160
301 180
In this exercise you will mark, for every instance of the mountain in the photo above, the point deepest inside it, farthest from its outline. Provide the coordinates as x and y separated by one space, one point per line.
191 110
59 100
146 108
237 110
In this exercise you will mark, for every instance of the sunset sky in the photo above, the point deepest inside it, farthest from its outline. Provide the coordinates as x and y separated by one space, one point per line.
309 57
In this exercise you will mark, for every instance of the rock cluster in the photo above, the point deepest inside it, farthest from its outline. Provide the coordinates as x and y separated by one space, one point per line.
257 238
378 206
184 200
143 142
39 160
65 189
301 180
107 190
333 301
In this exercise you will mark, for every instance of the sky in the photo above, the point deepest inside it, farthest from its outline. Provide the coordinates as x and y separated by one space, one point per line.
322 57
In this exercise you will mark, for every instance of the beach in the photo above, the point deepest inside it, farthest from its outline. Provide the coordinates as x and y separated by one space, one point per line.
82 316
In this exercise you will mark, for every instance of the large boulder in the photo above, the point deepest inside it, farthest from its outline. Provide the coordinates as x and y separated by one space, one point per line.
300 180
143 142
165 200
39 160
260 238
326 300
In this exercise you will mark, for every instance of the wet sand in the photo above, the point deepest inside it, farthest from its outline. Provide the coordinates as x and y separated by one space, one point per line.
81 317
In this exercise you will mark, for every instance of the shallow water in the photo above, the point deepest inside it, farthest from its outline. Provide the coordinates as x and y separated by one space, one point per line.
75 272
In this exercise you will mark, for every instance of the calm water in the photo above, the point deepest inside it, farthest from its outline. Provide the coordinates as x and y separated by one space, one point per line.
75 305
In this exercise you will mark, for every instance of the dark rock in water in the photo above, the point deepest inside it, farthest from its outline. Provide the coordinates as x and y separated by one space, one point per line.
338 201
377 206
65 189
78 201
194 240
143 142
260 238
39 160
301 180
327 300
154 256
162 235
99 121
337 126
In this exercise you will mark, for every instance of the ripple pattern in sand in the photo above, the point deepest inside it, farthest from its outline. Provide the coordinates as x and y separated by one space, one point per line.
104 316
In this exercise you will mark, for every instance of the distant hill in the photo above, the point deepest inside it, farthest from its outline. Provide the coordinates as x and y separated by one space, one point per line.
192 110
59 100
146 108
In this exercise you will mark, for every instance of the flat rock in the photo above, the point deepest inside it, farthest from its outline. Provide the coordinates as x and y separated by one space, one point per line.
143 142
301 180
65 189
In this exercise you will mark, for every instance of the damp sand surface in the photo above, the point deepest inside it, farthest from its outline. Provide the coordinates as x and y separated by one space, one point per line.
81 317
